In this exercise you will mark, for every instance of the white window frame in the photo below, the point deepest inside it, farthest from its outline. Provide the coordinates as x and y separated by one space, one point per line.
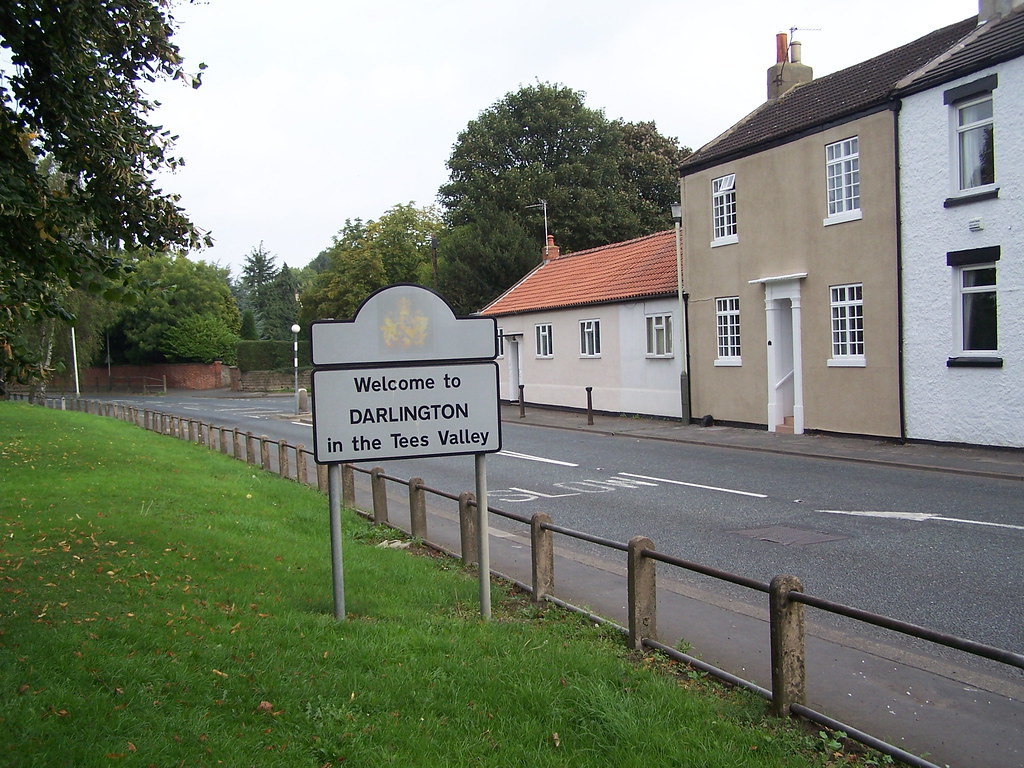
544 346
959 132
842 181
727 331
501 341
658 329
960 294
724 227
590 338
846 308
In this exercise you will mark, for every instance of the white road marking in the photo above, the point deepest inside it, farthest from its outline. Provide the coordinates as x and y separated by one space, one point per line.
918 517
302 424
528 457
696 485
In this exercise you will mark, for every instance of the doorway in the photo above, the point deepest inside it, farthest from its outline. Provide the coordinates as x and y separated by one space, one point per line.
785 354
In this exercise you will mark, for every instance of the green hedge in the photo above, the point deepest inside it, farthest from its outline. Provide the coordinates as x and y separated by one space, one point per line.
271 355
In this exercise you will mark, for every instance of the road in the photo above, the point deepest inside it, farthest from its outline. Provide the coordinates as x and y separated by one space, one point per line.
934 549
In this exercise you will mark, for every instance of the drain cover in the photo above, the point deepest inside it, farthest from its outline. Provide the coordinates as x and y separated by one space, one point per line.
780 534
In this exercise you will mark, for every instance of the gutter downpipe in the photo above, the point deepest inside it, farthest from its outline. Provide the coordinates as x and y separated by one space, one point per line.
684 330
894 106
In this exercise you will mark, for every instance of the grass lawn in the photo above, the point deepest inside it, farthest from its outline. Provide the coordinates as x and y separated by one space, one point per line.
162 605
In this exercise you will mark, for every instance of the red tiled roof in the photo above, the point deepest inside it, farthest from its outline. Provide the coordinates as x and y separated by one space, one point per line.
634 269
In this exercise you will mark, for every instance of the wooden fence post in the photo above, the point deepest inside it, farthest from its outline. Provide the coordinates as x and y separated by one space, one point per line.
236 444
542 549
417 508
380 495
282 458
642 595
264 452
348 485
250 448
467 528
786 620
321 477
300 464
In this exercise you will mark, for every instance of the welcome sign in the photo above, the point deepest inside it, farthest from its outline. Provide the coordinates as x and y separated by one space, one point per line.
404 378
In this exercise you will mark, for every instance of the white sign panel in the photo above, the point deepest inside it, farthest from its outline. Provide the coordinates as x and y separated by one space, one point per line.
403 323
372 414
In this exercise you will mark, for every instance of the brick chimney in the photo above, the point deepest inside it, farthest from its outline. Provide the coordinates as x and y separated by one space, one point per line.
551 251
788 71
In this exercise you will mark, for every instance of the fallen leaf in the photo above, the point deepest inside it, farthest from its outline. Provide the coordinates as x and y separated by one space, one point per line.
554 738
131 747
219 673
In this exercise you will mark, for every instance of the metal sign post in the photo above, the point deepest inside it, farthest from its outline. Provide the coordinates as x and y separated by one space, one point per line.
405 378
483 538
337 572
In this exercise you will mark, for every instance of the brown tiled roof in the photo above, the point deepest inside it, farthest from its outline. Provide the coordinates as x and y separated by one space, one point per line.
994 42
826 100
634 269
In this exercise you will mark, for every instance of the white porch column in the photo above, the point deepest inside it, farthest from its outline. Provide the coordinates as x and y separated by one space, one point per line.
798 368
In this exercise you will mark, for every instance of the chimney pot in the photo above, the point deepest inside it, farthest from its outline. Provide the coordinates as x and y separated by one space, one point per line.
551 251
781 46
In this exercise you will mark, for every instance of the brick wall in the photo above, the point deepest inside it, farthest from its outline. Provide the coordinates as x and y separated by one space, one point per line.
134 377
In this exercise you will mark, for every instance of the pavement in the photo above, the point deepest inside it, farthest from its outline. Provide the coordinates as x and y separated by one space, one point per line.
1002 463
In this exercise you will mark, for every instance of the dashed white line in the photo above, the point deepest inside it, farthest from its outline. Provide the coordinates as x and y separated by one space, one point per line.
696 485
528 457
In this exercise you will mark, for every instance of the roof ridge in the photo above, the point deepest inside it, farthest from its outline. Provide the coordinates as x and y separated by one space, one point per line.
830 98
611 245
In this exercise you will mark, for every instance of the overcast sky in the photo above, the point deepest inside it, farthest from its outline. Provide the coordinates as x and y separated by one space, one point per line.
314 111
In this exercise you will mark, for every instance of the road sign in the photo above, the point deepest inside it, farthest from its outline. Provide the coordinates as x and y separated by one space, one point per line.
372 414
403 324
404 379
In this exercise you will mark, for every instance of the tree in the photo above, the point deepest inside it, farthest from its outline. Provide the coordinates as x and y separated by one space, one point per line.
248 327
337 293
176 289
478 262
402 237
603 180
281 307
397 248
71 94
200 339
258 274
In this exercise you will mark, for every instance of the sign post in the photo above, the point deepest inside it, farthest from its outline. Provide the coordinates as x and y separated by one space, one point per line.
405 378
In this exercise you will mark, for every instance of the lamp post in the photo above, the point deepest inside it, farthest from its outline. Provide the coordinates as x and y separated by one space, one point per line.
684 376
295 362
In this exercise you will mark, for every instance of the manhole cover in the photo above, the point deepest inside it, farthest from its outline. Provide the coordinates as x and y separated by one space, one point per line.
780 534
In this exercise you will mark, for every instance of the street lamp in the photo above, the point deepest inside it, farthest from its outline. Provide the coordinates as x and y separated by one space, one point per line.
295 362
684 377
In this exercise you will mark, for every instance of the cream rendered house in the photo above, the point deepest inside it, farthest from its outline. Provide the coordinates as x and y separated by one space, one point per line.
791 232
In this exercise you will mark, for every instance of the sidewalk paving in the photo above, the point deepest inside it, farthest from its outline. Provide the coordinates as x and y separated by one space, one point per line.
1004 463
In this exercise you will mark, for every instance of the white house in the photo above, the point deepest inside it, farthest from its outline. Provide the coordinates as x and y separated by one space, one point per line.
961 182
604 318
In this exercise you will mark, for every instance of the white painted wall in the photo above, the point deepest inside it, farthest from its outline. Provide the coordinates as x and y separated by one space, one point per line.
624 379
983 406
